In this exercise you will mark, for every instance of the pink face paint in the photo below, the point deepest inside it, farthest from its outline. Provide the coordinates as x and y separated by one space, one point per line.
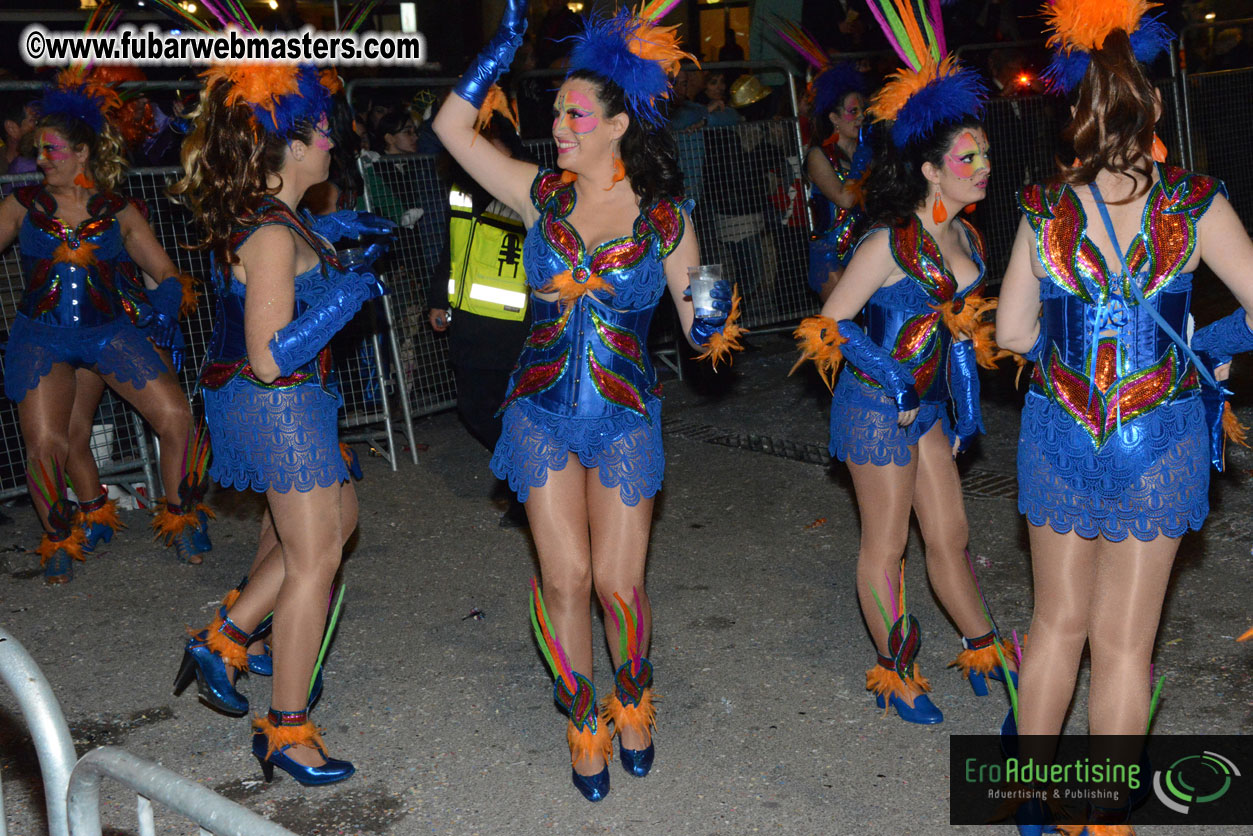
967 158
53 148
577 111
322 136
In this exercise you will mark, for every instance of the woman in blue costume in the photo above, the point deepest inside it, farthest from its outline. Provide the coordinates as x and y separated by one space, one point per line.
916 278
260 141
836 159
1114 450
581 445
86 319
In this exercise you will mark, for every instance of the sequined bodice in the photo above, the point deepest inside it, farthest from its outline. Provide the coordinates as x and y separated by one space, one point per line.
76 276
907 317
1106 360
829 218
587 353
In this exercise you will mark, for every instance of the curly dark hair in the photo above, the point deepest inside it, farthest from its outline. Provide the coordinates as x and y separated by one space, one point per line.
1115 108
228 159
106 158
648 154
898 188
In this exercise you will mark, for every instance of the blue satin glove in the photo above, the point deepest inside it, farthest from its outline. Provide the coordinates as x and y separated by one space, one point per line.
361 259
300 340
495 59
349 224
1218 341
878 363
704 327
162 326
862 157
963 384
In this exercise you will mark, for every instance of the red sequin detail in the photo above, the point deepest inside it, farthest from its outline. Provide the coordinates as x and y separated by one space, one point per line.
536 378
614 388
544 334
919 256
1099 412
619 341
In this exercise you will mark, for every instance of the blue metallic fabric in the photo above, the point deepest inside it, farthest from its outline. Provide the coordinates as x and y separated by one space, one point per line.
496 57
903 327
284 435
964 387
80 311
1113 439
584 383
834 234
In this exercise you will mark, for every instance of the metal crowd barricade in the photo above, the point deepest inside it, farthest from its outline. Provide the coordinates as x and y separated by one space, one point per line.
72 789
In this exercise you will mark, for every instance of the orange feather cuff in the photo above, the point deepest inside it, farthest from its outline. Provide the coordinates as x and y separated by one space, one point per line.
819 340
721 345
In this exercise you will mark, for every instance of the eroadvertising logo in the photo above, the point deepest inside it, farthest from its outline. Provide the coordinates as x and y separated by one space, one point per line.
1194 780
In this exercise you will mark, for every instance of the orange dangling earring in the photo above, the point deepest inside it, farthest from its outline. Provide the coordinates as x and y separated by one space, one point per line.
619 172
970 209
938 213
83 181
1159 149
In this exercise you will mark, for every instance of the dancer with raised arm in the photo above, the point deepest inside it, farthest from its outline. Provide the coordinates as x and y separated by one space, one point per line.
1115 443
917 280
581 443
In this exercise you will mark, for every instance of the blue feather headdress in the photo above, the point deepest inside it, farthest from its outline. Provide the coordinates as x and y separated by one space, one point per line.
76 95
933 87
833 84
633 53
1080 26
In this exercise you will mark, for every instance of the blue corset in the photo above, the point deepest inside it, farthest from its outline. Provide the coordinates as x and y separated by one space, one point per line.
589 361
888 313
76 295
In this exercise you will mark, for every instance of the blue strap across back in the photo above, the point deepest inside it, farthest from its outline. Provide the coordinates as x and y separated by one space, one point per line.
1139 294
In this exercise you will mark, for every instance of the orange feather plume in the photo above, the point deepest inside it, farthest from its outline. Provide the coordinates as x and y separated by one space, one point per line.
660 44
1232 427
229 599
169 525
330 80
1248 634
306 734
254 84
495 102
585 744
81 256
969 322
191 299
820 340
233 654
884 682
72 545
570 290
78 76
640 718
984 660
106 514
721 345
904 83
1084 24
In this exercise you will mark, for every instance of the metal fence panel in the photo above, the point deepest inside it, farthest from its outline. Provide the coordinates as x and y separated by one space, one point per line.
1220 110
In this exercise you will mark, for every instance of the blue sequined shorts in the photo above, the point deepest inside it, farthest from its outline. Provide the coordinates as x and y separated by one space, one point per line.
1150 478
864 428
280 439
625 448
117 349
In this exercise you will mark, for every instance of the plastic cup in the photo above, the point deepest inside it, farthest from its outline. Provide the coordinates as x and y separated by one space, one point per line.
352 258
701 280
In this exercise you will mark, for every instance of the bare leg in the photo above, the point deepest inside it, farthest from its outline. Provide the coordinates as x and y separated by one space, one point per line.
558 512
163 405
80 464
44 416
942 518
311 536
885 494
1063 567
619 537
1131 581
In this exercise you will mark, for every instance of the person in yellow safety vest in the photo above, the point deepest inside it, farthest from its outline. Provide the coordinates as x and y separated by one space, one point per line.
478 295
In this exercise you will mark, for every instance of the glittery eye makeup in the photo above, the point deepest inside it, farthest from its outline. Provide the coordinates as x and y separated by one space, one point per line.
53 150
578 110
322 136
967 157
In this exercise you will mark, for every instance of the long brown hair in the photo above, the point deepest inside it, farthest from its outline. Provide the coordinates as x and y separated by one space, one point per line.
1115 115
106 164
228 160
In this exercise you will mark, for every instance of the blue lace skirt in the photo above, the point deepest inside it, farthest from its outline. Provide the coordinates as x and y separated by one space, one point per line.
626 449
864 428
117 348
280 439
826 255
1152 478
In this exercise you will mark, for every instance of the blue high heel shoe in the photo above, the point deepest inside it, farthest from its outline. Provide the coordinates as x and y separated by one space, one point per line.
99 520
883 680
209 667
980 662
200 534
923 711
593 787
295 727
631 706
57 555
187 533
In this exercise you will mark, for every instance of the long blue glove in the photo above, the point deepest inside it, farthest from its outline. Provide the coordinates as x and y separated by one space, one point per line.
862 157
496 56
302 338
162 327
704 327
963 384
875 361
1218 341
349 224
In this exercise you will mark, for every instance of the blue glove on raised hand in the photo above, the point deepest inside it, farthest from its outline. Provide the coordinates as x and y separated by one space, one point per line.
496 57
704 327
162 327
878 363
964 385
1218 341
349 224
300 340
862 157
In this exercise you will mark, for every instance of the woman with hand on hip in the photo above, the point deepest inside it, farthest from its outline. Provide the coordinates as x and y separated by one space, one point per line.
607 237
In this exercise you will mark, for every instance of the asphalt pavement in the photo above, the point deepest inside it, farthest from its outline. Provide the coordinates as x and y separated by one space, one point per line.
764 723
